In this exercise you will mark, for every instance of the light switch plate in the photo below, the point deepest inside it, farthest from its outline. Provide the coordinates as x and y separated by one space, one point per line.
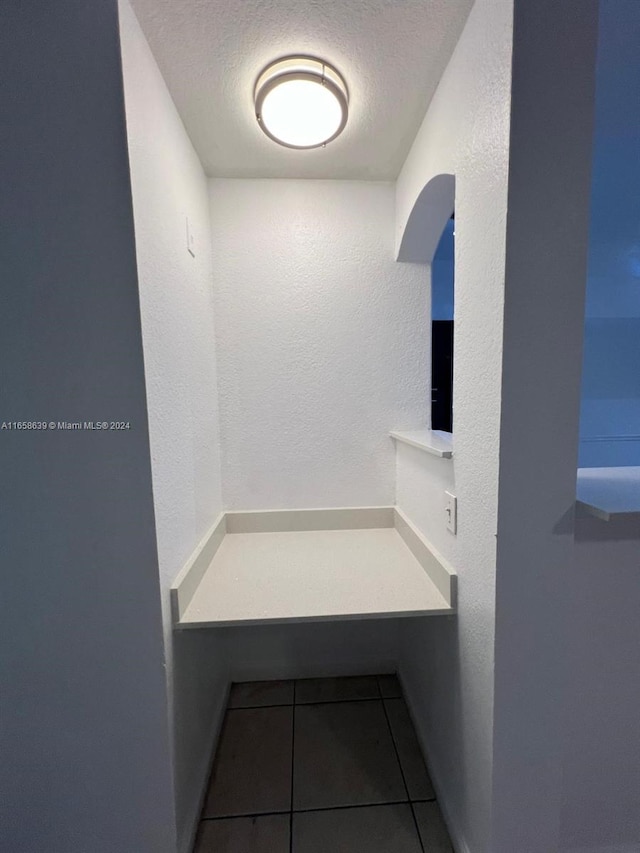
451 512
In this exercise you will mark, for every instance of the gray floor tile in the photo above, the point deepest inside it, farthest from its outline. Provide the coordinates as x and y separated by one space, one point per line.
433 831
389 686
413 766
336 689
344 755
252 770
254 694
266 834
376 829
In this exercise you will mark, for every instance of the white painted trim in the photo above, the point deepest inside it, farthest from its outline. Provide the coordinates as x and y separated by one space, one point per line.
439 570
187 580
266 671
435 442
417 713
282 520
187 842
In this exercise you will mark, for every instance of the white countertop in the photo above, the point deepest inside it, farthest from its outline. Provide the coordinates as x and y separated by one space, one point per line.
312 575
607 492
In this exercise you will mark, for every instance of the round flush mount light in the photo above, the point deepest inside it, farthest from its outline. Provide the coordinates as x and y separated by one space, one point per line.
301 102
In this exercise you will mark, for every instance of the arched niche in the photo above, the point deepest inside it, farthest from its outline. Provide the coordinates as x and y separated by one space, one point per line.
427 220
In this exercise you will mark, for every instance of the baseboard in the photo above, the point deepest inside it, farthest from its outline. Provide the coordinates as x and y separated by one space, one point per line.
416 713
319 670
188 837
335 518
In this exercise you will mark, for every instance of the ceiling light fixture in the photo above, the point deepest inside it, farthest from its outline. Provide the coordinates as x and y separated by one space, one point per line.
301 102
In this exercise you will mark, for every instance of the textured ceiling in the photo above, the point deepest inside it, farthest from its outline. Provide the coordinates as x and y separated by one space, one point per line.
391 52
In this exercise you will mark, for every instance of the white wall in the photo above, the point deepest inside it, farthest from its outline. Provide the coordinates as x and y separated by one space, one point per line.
447 665
176 298
601 743
322 349
495 740
313 650
553 86
601 746
85 741
322 342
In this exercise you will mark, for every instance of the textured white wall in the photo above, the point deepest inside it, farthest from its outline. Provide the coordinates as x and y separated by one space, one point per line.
422 480
447 665
312 650
322 342
496 739
553 86
176 298
84 733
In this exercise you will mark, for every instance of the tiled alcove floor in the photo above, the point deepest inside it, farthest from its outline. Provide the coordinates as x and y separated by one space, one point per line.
320 765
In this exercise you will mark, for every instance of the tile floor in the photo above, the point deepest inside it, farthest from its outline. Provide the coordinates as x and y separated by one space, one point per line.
318 766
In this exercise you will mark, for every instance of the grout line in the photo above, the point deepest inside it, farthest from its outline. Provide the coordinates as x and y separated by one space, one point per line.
293 748
304 704
415 823
353 806
406 787
339 701
321 809
380 696
243 815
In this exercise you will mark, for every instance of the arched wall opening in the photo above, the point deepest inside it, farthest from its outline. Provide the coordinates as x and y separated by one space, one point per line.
427 220
429 238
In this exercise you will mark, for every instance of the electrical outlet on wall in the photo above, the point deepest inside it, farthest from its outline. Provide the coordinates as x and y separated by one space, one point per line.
451 512
191 243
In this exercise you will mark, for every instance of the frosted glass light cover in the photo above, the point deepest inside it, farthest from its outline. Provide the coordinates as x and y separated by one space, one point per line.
301 113
301 102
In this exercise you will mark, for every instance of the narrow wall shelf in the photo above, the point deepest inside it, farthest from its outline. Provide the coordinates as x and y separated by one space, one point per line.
608 492
435 442
311 565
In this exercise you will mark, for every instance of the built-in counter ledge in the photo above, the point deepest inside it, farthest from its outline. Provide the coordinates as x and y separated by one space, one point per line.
435 442
312 565
609 492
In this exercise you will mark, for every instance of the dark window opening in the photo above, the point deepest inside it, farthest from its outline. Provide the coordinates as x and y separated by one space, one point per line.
442 375
442 304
